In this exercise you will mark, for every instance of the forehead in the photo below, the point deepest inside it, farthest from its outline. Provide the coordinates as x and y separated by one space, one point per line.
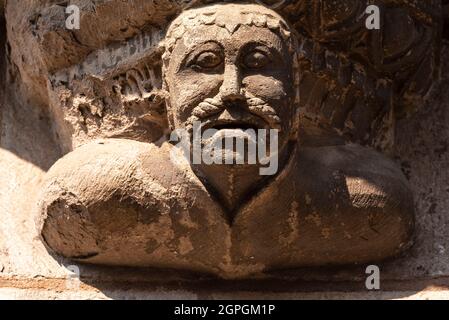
230 41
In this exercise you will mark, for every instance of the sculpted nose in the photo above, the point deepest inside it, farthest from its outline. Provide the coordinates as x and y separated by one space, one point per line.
231 88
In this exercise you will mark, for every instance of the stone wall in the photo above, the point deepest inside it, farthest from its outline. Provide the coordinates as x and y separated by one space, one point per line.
29 147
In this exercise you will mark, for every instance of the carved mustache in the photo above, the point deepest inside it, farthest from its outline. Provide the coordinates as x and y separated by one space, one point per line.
255 105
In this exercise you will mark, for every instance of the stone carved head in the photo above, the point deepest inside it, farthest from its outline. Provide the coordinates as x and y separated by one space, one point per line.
237 58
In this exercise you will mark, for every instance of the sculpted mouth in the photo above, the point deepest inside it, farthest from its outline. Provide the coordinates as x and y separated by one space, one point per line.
235 125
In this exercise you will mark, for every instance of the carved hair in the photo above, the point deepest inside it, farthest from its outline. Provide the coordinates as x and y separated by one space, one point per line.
250 15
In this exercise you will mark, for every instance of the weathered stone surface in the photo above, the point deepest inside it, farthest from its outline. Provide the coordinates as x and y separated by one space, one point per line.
229 66
98 96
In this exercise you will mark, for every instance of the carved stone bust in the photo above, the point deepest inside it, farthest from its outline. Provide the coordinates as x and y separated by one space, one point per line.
118 198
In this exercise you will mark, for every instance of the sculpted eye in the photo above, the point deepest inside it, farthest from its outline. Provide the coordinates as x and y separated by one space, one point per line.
208 60
256 60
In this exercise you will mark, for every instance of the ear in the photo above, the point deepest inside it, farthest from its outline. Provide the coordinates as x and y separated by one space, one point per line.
165 57
295 124
170 117
157 109
296 94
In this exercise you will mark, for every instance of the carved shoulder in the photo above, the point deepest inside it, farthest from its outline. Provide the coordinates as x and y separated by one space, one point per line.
365 177
122 202
362 199
97 189
333 205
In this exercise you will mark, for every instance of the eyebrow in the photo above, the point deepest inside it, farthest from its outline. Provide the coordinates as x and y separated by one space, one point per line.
196 49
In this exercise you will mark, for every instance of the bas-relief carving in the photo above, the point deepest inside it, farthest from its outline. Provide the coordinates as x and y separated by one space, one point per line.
121 200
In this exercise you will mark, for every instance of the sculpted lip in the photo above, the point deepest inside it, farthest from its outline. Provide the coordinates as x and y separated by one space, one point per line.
235 125
251 122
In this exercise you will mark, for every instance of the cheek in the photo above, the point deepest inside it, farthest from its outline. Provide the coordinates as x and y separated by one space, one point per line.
188 90
277 93
267 88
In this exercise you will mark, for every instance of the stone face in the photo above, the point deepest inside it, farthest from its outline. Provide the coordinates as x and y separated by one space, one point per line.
115 90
